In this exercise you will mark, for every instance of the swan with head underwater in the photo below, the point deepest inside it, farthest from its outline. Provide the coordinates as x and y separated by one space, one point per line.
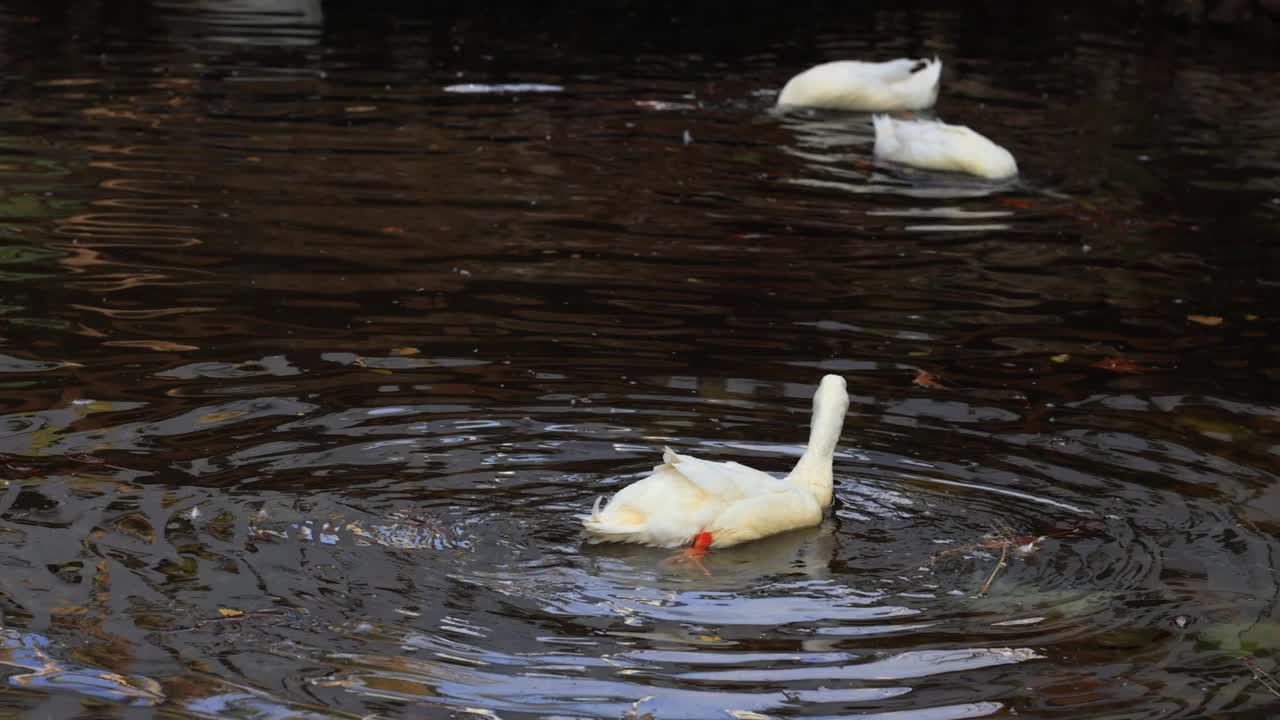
935 145
718 504
903 84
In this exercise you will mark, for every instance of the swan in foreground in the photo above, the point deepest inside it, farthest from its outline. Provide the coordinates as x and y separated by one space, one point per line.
718 504
935 145
866 86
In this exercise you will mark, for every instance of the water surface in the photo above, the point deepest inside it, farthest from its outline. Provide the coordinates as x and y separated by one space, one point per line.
320 325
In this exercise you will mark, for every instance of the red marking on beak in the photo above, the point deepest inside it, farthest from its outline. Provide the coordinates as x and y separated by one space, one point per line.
702 541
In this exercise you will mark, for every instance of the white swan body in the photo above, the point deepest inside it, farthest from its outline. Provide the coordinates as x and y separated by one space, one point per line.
685 496
935 145
866 86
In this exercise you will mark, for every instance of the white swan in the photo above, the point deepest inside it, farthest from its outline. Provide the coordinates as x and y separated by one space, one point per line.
725 503
866 86
935 145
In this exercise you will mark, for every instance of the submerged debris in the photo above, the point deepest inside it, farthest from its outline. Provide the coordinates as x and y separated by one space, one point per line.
1009 541
406 531
1264 678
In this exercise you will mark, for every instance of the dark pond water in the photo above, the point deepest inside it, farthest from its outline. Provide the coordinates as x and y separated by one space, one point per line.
314 343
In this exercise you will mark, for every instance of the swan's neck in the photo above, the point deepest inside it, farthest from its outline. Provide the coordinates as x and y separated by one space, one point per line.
813 471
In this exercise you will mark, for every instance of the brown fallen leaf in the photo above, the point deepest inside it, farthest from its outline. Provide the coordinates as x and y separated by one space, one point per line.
69 610
72 82
1119 365
1060 358
924 379
221 416
1210 320
393 230
230 612
1021 203
403 351
157 345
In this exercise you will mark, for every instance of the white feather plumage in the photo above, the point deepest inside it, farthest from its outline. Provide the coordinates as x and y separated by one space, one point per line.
686 496
866 86
935 145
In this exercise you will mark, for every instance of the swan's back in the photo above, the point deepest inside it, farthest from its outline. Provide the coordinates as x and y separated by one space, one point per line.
935 145
686 495
890 71
866 86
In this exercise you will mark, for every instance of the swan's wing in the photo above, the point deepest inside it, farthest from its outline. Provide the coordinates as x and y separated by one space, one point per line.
677 501
764 515
926 142
725 480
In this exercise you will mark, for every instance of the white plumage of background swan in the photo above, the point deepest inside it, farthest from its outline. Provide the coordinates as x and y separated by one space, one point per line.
866 86
718 504
935 145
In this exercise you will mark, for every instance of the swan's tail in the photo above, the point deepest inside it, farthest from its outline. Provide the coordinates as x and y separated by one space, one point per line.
927 81
594 515
624 524
632 514
603 528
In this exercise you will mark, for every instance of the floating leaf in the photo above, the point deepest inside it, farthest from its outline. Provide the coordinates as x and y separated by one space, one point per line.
1060 358
402 351
1119 365
393 230
220 416
157 345
1210 320
1020 203
230 612
924 379
72 82
179 570
69 610
1210 427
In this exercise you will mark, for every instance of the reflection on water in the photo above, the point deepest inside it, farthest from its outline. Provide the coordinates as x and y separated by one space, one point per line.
321 324
280 23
